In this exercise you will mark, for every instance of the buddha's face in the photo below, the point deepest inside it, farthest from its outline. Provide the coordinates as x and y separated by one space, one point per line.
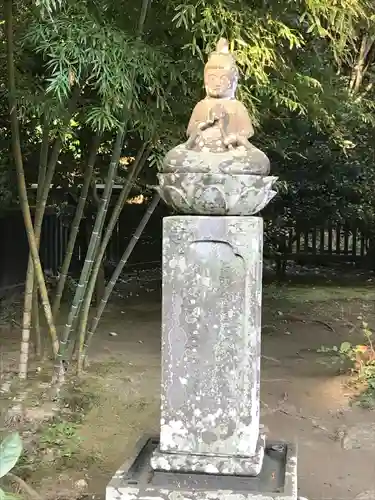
220 83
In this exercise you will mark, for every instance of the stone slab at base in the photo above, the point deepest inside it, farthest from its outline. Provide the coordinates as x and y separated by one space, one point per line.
210 464
136 480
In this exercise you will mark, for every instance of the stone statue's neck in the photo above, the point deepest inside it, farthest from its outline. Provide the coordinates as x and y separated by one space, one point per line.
221 98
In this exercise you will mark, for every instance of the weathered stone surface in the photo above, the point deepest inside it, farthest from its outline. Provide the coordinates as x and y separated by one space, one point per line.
165 494
361 436
212 292
235 162
211 464
135 480
216 193
220 122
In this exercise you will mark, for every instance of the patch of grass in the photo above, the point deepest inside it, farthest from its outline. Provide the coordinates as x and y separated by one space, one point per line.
62 437
58 447
57 442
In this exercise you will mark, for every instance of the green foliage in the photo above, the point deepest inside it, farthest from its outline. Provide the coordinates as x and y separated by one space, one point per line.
10 452
297 60
57 442
343 353
283 50
118 73
366 399
360 360
304 78
63 437
118 70
48 6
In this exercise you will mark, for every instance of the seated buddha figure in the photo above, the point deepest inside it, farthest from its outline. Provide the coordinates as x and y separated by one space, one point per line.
219 126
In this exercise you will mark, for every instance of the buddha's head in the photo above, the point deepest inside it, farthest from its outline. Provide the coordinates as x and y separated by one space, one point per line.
221 72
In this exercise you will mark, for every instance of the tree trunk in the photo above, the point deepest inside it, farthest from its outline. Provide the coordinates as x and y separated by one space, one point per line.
75 226
116 274
138 165
91 251
21 182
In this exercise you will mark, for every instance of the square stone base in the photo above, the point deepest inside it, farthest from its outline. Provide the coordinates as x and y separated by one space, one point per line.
137 480
210 464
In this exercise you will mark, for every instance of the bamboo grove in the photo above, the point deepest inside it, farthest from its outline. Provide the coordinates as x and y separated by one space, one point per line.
90 82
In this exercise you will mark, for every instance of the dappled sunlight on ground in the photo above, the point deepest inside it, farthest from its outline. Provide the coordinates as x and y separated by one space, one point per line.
302 397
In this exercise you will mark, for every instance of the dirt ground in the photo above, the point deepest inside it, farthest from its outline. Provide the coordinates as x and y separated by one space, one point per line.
303 399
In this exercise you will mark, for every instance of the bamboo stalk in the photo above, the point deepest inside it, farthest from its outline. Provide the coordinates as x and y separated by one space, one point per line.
142 18
35 319
38 221
116 274
30 285
21 182
75 225
31 303
88 230
101 250
361 65
35 322
95 236
43 158
136 168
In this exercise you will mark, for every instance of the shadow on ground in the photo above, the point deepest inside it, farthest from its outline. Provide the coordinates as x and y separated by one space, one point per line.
302 397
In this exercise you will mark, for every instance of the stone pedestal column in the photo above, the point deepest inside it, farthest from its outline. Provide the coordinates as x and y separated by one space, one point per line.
211 322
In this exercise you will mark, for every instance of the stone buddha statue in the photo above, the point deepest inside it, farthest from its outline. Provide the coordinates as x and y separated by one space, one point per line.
219 122
219 126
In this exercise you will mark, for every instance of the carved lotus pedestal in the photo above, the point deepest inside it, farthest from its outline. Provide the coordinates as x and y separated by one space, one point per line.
216 193
205 183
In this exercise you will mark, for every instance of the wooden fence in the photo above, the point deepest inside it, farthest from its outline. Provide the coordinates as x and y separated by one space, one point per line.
147 252
325 245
